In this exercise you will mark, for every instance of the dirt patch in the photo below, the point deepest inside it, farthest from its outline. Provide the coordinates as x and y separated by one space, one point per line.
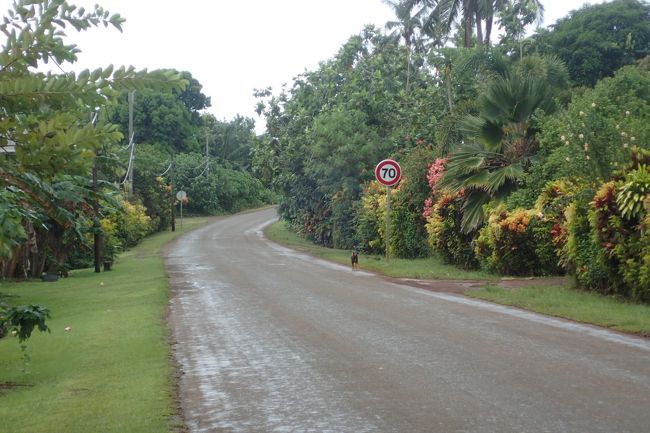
460 287
7 386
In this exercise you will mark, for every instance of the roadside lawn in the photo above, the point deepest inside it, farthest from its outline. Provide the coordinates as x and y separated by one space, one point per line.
112 371
551 299
429 268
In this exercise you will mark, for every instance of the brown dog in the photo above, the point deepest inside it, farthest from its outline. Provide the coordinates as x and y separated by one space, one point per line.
354 258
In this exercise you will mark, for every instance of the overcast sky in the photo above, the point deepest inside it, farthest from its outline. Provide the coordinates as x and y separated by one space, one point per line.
234 46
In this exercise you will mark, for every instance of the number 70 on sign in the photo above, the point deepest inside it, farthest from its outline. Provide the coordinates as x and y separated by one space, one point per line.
388 172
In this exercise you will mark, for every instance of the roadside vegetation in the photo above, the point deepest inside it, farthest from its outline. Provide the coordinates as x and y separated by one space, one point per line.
106 365
424 268
525 156
560 301
577 305
528 156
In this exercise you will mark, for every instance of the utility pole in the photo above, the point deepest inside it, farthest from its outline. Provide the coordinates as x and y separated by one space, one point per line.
207 153
173 197
97 235
132 143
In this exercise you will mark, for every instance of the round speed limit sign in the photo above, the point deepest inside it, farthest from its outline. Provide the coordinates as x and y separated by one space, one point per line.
388 172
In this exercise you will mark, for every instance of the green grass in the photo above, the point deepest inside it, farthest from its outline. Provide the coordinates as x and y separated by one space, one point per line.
551 300
429 268
573 304
113 371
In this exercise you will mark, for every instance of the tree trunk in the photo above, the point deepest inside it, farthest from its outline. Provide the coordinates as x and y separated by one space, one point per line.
467 23
479 29
448 85
488 28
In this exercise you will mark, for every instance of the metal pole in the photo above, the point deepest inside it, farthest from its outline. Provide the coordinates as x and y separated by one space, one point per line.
207 154
388 188
131 142
181 213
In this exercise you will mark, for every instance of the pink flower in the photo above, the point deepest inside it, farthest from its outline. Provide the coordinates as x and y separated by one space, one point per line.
435 173
428 208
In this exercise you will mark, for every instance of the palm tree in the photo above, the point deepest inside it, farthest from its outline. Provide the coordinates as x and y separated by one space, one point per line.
405 28
442 14
502 143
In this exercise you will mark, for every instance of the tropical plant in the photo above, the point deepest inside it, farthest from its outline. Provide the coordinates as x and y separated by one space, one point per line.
503 142
445 235
45 117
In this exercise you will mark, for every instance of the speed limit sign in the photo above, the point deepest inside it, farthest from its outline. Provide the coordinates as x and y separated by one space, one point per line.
388 172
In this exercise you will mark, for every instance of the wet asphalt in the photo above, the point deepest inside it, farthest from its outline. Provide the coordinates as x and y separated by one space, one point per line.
271 340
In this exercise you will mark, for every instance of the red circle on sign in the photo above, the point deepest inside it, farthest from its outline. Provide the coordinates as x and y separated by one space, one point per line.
388 172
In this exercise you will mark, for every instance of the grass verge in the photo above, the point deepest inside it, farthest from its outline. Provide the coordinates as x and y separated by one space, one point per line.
573 304
112 372
551 300
431 268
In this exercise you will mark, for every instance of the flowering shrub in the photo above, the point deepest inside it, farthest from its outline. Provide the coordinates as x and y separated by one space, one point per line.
435 173
609 251
445 235
551 204
517 243
371 219
581 251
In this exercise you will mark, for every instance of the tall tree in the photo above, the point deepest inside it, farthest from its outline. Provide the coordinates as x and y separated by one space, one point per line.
46 118
405 28
171 119
596 40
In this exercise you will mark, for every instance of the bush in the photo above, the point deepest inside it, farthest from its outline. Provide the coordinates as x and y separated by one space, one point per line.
370 232
408 238
608 251
132 224
520 242
445 234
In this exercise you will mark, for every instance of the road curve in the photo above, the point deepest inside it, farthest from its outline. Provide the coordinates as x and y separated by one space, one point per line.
270 340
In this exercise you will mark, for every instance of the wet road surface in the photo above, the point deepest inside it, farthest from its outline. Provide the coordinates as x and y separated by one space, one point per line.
270 340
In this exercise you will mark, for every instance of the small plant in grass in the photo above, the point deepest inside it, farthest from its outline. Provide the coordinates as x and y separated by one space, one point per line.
21 321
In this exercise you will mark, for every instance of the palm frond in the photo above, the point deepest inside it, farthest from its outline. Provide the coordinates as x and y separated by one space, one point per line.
473 215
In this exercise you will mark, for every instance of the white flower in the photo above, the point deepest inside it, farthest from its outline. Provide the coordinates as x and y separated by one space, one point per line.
582 113
587 157
568 159
627 113
566 143
593 105
632 138
562 137
618 126
625 145
623 134
581 136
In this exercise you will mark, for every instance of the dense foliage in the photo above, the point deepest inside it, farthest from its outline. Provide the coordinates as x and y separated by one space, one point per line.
65 154
503 160
595 41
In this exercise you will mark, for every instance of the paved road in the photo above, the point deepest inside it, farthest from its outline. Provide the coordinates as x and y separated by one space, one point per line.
270 340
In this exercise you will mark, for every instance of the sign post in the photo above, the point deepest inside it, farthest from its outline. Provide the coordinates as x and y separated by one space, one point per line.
388 173
181 196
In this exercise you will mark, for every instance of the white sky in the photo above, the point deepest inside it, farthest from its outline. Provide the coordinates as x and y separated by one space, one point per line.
234 46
